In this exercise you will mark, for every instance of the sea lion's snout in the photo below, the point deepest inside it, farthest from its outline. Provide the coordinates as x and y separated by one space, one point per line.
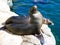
35 6
33 9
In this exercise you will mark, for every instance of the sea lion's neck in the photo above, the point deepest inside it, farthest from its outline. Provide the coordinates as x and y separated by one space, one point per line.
37 18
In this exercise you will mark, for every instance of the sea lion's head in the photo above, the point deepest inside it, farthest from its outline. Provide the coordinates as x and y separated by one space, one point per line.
33 9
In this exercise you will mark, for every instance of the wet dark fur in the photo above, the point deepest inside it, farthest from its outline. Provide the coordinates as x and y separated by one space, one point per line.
20 26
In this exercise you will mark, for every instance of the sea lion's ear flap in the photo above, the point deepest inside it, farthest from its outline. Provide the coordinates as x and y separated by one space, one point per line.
44 21
31 10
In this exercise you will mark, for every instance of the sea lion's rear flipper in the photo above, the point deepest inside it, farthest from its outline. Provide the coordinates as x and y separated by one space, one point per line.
3 28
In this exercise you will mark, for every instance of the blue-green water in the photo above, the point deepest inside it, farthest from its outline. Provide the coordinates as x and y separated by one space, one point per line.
50 9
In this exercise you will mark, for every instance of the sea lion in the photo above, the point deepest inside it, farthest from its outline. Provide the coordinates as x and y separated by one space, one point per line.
25 26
